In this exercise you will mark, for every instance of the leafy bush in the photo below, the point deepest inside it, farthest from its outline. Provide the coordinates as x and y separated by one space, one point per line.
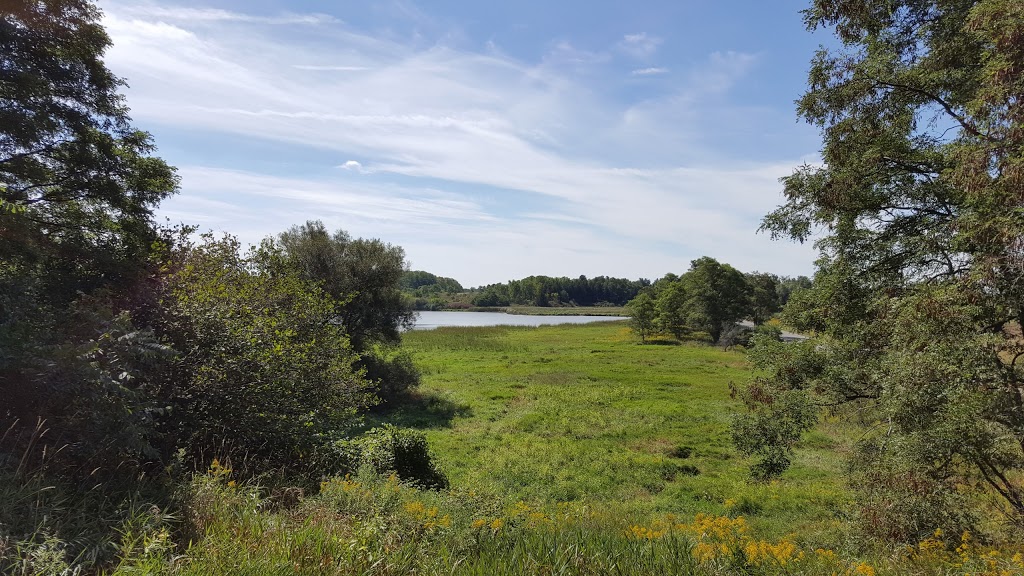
391 375
263 371
402 451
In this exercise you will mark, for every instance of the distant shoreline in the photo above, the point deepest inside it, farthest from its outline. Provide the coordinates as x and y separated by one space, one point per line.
547 311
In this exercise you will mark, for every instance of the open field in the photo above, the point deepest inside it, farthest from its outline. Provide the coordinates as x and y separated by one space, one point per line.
586 414
571 450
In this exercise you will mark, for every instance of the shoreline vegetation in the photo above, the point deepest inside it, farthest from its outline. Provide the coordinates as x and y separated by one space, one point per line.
547 310
571 449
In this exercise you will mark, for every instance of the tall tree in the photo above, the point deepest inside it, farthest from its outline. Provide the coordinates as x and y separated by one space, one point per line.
363 275
919 294
77 182
671 307
77 188
764 296
716 295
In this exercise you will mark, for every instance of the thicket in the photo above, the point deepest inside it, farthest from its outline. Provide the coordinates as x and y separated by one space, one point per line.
132 355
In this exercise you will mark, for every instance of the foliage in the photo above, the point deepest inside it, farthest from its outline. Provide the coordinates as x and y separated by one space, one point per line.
364 276
717 296
369 524
764 296
918 299
402 451
711 297
421 283
562 291
642 315
671 309
262 372
77 183
392 373
77 188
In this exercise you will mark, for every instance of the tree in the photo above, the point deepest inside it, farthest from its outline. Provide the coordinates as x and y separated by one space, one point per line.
671 308
918 299
364 279
643 315
77 190
764 296
717 295
77 182
262 371
364 276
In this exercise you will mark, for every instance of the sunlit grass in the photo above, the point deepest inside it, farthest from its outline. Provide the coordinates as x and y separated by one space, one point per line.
584 413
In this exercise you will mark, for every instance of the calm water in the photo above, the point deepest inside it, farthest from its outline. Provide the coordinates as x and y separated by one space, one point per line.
429 320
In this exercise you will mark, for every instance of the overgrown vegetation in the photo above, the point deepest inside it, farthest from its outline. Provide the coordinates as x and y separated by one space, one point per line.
131 355
184 405
918 299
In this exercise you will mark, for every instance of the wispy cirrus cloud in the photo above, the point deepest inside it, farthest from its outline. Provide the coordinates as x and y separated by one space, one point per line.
483 166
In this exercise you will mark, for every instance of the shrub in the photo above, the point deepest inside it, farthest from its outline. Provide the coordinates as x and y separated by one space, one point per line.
391 376
402 451
263 371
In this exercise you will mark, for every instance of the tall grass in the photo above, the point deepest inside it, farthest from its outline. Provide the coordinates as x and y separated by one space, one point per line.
373 525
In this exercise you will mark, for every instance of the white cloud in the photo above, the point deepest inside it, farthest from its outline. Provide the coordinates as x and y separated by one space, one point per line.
651 71
626 189
151 10
329 68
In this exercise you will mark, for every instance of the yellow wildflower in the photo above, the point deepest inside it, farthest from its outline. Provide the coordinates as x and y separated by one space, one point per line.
864 569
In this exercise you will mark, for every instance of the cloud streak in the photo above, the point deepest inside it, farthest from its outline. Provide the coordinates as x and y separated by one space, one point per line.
484 167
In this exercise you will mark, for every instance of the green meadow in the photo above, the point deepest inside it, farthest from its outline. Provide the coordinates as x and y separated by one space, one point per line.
570 450
585 414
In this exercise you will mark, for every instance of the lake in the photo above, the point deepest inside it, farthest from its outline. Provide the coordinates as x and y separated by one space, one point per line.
429 320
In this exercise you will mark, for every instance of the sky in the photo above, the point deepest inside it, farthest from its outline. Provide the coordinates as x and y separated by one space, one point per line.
491 140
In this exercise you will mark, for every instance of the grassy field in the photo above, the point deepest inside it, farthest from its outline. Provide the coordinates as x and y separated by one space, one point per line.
571 450
583 413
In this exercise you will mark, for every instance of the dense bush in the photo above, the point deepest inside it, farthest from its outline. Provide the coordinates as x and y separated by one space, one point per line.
402 451
391 373
263 371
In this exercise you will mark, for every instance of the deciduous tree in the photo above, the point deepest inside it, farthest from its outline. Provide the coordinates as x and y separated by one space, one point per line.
716 295
919 295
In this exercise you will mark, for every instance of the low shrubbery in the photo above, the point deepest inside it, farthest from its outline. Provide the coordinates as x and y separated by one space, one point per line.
375 524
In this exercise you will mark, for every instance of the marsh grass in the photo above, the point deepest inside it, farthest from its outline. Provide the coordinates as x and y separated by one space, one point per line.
375 525
571 450
584 413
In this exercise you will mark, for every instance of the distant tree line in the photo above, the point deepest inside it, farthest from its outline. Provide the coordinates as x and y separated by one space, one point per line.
562 291
710 297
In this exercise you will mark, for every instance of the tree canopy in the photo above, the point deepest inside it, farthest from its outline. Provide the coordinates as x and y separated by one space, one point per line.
711 297
363 275
918 300
561 291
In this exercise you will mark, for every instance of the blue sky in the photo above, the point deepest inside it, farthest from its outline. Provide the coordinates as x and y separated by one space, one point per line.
491 140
